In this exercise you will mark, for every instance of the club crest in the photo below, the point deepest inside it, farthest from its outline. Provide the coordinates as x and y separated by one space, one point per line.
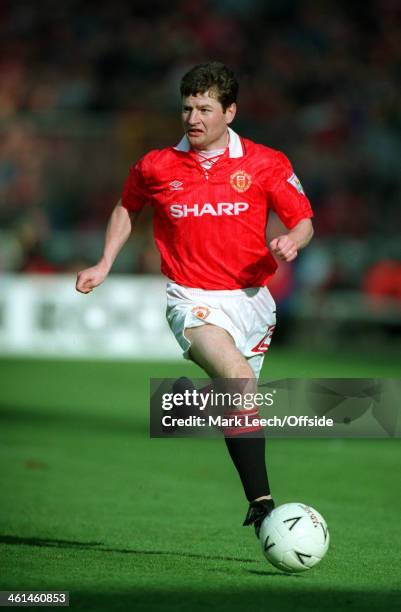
240 181
202 312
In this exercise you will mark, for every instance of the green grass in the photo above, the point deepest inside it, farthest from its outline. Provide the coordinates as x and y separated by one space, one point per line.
90 504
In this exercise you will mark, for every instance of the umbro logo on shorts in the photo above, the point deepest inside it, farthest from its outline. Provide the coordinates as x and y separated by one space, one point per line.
216 210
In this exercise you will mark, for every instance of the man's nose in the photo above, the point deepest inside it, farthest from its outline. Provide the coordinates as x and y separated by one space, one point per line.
193 117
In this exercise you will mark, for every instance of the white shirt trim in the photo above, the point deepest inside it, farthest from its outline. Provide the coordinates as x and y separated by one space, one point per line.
235 148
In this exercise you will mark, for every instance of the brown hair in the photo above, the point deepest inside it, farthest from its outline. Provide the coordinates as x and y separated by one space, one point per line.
213 76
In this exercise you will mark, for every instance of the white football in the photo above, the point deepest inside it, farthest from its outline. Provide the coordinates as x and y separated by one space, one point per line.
294 537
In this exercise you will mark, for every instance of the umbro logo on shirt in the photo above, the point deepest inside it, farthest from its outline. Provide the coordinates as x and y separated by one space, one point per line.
176 186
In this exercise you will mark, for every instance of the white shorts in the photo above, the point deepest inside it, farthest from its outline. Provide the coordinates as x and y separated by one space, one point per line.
248 315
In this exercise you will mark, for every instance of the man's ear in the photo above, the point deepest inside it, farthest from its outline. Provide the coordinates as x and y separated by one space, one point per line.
230 113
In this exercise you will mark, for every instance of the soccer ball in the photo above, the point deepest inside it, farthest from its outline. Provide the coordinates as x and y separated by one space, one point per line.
294 537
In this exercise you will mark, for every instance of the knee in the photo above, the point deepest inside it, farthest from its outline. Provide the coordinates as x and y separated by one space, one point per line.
242 379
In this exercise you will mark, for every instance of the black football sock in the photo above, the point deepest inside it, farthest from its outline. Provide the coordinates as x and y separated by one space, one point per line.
248 455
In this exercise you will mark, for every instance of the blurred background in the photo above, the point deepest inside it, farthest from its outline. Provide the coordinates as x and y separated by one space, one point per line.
86 88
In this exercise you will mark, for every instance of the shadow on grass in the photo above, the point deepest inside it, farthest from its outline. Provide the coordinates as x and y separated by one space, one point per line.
277 573
254 590
99 546
263 597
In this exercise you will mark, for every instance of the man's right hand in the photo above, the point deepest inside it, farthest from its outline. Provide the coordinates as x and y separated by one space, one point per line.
90 278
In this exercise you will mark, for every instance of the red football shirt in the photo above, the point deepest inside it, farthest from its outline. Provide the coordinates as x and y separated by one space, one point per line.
210 226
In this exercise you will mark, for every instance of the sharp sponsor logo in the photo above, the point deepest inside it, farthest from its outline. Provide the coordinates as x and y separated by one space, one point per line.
215 210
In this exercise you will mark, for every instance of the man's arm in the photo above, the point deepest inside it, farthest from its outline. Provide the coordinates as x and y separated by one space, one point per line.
286 246
118 230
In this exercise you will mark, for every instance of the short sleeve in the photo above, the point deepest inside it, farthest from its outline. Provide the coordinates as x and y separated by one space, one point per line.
135 195
287 197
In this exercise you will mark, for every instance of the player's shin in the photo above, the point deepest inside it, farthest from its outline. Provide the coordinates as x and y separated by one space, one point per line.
247 452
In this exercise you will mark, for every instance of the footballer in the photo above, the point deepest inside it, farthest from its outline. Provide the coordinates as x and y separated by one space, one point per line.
211 194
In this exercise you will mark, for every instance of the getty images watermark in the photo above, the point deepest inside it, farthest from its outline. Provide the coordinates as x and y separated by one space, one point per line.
282 408
210 402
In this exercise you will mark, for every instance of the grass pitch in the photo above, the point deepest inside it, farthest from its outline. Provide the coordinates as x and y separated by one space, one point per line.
90 504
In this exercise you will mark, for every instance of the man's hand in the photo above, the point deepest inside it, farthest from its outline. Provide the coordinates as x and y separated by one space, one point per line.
284 247
90 278
117 233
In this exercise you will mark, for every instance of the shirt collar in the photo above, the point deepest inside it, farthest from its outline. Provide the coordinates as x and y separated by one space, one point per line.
235 148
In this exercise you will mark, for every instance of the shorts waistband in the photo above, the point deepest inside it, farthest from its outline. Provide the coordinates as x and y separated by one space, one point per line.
216 292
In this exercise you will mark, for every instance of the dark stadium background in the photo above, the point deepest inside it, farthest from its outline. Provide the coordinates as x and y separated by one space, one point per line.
88 502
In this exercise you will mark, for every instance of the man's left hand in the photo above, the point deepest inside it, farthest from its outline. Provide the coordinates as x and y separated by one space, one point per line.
284 248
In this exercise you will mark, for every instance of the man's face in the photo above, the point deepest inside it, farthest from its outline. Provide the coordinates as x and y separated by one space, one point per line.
205 122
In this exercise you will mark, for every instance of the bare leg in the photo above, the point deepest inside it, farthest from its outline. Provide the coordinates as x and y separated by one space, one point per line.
214 350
